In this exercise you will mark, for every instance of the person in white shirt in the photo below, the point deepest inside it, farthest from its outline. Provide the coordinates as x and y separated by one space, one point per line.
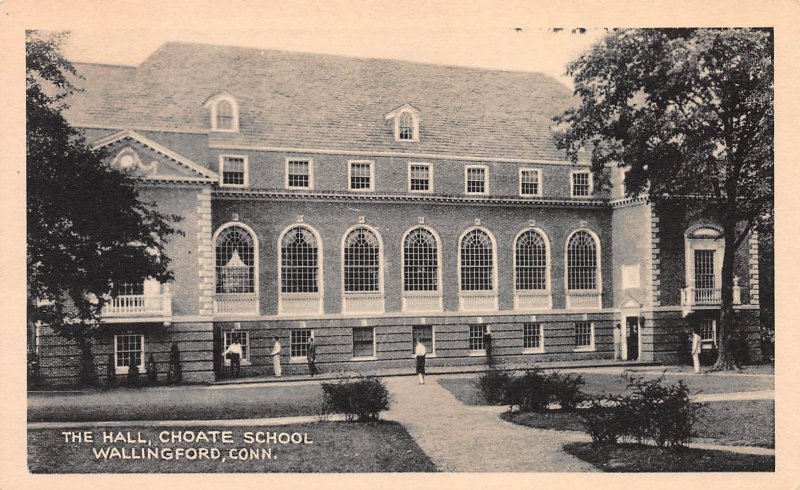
419 354
235 352
617 342
276 357
697 346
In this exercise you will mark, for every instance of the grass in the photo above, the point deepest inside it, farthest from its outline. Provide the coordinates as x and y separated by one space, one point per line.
633 458
182 403
337 447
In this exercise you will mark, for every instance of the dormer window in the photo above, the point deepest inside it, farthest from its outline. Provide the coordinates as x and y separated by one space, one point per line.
406 131
224 113
406 123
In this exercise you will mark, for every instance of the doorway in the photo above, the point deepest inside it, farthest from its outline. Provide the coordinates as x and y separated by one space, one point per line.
632 337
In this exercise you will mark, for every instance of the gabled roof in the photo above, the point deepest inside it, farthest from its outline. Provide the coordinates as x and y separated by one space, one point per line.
300 100
405 107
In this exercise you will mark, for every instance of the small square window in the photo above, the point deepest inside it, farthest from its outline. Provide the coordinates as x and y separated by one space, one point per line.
298 342
476 180
530 182
581 184
419 177
128 351
363 342
244 341
234 171
532 336
584 336
361 176
425 334
476 333
298 174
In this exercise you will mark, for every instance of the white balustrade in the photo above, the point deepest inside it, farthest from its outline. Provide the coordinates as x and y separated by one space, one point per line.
137 305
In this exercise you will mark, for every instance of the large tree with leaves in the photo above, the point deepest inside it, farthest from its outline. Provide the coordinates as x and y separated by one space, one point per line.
88 229
690 113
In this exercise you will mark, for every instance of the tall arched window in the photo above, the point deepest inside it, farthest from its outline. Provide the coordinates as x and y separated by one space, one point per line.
224 115
420 261
235 262
581 261
477 262
531 262
361 261
406 129
299 261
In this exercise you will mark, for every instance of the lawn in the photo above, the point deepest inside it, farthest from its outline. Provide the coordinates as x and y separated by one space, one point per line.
182 403
632 458
335 447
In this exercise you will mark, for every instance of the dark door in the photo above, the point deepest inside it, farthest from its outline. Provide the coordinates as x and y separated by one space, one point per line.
632 337
217 351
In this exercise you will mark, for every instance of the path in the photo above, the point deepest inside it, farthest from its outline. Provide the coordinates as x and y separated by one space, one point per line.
460 438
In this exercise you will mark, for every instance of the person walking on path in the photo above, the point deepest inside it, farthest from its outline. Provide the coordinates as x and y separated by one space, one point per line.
697 346
419 355
617 342
235 352
487 345
276 357
311 355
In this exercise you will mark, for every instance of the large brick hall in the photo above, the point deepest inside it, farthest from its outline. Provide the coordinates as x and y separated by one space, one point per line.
370 202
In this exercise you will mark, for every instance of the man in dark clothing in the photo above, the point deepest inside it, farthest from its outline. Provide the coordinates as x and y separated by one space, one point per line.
487 345
311 355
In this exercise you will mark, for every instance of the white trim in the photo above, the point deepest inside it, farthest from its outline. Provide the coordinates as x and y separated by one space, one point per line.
298 359
539 181
485 180
430 176
371 175
533 350
246 167
599 266
439 284
124 369
548 288
396 114
256 272
320 294
572 173
717 245
310 162
585 348
245 360
494 290
379 294
212 104
433 340
374 356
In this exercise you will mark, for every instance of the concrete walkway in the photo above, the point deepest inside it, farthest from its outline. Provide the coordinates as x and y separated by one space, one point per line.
459 438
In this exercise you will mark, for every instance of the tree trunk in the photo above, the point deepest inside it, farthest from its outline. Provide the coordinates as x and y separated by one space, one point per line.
88 373
726 329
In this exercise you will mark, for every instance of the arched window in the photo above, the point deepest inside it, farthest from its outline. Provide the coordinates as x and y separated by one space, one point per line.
420 261
531 261
581 261
406 126
224 115
361 261
299 261
235 263
477 263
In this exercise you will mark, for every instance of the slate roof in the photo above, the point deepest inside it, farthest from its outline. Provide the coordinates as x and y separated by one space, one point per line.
317 101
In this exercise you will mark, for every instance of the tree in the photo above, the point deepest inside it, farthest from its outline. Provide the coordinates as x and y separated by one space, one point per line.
690 113
88 230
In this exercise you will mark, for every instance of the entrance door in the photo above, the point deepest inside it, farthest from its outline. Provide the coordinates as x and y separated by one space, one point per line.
632 337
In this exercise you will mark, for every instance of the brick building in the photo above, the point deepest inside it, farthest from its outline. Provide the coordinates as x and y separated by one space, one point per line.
369 202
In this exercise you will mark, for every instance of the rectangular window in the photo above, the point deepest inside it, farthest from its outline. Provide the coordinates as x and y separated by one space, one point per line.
298 174
476 180
476 333
532 336
363 342
584 336
234 171
244 340
425 334
130 289
581 184
530 183
708 333
298 342
704 269
419 177
361 176
128 351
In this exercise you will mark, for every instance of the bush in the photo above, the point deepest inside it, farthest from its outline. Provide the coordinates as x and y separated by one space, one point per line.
133 375
360 399
152 370
174 373
492 384
111 371
565 390
603 419
529 392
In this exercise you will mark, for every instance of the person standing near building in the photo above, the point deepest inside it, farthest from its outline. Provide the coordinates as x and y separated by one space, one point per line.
487 346
419 354
235 352
311 355
276 357
617 342
697 346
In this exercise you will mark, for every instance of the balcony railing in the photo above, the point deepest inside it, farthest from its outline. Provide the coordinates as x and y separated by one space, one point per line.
692 296
138 305
584 299
236 304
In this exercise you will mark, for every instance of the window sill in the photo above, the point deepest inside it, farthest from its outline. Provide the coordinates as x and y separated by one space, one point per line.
298 360
531 196
427 356
476 193
361 190
364 358
533 351
583 349
477 353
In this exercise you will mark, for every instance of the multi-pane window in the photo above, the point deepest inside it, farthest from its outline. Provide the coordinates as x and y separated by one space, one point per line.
476 180
419 177
704 269
406 126
235 262
130 289
532 335
360 176
299 261
531 266
581 184
529 183
581 262
420 261
584 335
425 334
476 333
298 342
234 171
361 261
363 342
224 115
128 351
244 341
298 174
477 263
708 333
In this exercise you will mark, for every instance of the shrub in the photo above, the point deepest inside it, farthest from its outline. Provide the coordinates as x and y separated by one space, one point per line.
362 398
152 370
133 375
565 389
529 392
111 368
174 373
492 385
603 419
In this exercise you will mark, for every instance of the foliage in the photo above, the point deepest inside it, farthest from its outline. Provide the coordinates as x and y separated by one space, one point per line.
133 376
88 374
532 391
492 385
111 371
361 399
152 370
174 373
689 112
565 389
529 392
603 419
87 227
